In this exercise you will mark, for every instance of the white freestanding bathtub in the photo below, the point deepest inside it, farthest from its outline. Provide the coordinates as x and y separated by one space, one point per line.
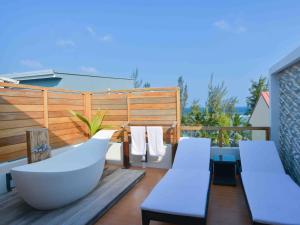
60 180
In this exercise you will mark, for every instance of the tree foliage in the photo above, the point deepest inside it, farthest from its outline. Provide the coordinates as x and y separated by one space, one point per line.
257 87
183 93
135 76
137 82
219 111
147 85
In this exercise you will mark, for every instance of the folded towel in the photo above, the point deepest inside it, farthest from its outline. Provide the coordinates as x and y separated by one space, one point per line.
138 140
155 141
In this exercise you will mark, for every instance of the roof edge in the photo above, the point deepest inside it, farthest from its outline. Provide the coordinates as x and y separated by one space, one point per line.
52 72
286 61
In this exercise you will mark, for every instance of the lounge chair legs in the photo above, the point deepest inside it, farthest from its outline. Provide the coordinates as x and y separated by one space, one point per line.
145 218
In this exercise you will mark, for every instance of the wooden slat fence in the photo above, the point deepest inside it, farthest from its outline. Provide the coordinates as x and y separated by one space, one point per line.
26 106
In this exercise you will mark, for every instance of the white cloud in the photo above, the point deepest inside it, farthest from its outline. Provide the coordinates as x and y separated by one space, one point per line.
229 26
31 63
222 24
106 38
94 34
65 43
91 30
241 29
88 69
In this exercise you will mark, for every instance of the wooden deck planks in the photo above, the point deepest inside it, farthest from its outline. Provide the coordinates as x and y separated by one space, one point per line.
13 210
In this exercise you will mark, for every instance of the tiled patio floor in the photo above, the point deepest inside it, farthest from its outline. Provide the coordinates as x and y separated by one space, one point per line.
227 205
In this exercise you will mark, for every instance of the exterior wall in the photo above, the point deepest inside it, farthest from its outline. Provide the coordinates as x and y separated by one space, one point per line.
289 118
93 83
285 108
42 82
82 82
260 118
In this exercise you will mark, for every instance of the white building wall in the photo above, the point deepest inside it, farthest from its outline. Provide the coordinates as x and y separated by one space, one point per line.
260 118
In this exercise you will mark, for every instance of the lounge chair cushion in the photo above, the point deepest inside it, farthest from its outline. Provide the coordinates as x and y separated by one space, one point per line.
180 192
260 156
273 198
192 153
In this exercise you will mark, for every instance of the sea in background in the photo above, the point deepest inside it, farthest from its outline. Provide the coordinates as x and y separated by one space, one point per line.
241 110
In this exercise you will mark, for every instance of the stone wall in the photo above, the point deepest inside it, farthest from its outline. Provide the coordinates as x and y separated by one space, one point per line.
289 119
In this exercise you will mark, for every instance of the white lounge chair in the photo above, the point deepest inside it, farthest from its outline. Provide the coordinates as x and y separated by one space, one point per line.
181 196
272 196
60 180
192 153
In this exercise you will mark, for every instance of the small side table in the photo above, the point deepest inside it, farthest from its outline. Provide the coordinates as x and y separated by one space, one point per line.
224 170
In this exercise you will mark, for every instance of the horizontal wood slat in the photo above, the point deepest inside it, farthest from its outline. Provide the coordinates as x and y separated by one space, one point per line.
62 126
153 106
63 120
109 96
63 113
115 112
15 131
64 96
58 133
64 107
16 100
115 118
21 115
154 118
13 140
65 137
57 101
152 94
152 100
18 108
20 93
109 101
108 107
21 123
59 144
162 112
12 152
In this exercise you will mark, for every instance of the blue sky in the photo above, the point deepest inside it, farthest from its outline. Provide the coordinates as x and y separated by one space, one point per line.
235 40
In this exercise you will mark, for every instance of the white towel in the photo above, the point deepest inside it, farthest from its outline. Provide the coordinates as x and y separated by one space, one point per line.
138 140
155 141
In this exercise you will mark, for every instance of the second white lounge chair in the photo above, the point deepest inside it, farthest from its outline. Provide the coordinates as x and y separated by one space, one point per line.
181 197
272 196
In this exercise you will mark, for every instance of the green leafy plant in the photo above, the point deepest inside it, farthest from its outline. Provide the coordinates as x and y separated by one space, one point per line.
94 125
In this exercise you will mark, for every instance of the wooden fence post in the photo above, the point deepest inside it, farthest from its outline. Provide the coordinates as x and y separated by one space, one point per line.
87 104
128 107
46 115
126 162
220 138
178 116
174 142
267 130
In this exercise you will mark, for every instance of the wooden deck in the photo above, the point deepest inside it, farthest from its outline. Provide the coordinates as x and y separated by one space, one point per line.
114 184
227 205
